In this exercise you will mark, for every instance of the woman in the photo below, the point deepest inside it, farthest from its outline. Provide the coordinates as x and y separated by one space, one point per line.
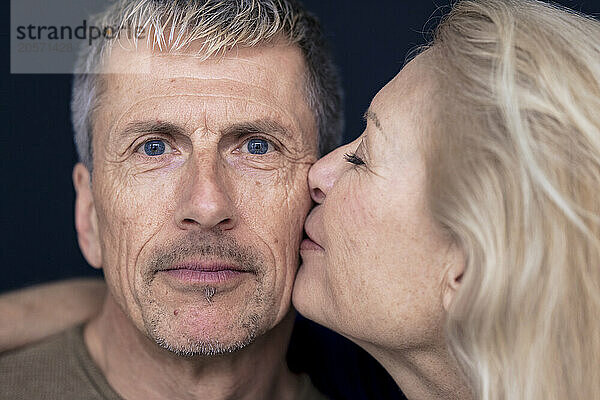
457 240
459 235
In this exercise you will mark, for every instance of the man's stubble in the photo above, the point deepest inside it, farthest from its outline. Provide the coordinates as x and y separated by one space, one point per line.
259 315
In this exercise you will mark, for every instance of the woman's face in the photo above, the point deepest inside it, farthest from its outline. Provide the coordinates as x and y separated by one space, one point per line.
376 265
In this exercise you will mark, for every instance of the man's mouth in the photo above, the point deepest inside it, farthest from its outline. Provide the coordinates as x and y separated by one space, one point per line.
205 272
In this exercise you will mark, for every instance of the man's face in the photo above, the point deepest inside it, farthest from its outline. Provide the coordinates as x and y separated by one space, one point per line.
199 191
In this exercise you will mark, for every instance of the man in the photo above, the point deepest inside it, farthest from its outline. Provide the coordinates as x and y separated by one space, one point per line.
195 141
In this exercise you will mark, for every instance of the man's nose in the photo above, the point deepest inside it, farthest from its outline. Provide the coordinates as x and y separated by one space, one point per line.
205 201
325 172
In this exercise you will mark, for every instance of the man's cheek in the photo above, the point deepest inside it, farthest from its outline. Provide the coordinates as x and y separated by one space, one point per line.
128 218
295 184
293 202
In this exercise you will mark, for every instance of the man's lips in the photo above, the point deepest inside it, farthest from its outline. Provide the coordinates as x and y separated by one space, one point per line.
205 272
207 266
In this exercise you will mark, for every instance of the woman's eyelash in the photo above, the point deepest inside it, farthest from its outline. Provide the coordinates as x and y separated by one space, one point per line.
353 159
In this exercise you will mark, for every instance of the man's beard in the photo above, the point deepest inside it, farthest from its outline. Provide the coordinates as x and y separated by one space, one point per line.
193 348
247 327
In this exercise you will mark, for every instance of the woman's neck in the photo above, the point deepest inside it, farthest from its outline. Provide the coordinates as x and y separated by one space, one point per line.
423 374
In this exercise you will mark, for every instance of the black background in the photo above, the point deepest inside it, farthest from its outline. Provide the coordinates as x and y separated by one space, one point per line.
369 39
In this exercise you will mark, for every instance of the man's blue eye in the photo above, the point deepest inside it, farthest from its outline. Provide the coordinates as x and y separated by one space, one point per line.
258 146
154 147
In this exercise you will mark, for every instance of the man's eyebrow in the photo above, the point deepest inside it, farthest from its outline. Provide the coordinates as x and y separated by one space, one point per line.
139 127
369 114
267 126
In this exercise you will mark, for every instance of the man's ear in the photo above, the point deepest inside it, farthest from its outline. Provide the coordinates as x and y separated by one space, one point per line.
453 275
86 220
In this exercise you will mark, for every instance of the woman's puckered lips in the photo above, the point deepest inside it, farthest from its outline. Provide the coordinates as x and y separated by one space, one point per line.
313 241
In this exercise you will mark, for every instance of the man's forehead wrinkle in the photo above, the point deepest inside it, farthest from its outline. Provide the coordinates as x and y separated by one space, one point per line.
135 106
210 61
165 64
216 85
267 89
143 79
259 69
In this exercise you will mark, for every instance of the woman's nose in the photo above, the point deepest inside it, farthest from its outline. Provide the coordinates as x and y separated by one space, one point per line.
325 172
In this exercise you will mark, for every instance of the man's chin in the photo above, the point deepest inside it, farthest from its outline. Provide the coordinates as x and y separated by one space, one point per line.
201 346
205 328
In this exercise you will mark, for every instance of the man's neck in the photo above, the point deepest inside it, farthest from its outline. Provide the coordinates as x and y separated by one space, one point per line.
137 368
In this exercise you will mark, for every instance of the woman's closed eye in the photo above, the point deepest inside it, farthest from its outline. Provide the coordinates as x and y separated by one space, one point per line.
352 158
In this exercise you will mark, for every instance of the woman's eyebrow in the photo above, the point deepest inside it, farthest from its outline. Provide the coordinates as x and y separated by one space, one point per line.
370 115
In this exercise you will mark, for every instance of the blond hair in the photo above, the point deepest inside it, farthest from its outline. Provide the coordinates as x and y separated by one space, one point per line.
514 177
219 26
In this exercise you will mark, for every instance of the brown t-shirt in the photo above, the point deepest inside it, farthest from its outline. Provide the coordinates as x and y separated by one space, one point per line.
60 367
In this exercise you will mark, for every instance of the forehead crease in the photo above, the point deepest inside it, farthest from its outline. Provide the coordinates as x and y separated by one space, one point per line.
190 115
158 86
271 97
261 63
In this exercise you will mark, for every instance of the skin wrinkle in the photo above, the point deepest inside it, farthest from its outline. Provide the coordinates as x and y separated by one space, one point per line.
267 73
212 78
123 249
137 288
138 253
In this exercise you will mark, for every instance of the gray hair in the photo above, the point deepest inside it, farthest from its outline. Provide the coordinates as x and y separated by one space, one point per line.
220 25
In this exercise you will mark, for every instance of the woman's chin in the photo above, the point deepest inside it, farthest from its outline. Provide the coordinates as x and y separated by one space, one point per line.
313 297
308 295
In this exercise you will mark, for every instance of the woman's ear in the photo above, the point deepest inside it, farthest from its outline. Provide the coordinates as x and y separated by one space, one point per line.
453 275
86 220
